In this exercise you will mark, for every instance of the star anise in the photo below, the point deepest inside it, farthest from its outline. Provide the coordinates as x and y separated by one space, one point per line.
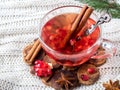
65 81
112 85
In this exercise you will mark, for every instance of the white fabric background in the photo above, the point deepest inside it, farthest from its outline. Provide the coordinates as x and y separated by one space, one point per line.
18 27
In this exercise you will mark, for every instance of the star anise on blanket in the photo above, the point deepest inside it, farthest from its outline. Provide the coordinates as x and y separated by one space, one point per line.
112 85
64 81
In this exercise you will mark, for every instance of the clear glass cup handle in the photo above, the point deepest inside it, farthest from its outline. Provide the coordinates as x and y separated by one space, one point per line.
109 50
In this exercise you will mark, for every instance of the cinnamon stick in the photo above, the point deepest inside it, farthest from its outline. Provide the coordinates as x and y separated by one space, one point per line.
35 53
28 57
78 19
83 22
26 49
74 26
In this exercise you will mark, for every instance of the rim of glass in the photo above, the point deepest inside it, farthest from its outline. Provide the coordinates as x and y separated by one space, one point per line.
46 46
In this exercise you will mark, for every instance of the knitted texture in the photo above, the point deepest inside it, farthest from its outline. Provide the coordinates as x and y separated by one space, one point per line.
19 20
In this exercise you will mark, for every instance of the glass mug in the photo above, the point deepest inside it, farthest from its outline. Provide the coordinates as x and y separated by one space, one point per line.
75 58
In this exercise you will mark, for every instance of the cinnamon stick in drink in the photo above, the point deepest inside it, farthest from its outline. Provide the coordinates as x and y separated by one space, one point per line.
74 26
83 22
78 19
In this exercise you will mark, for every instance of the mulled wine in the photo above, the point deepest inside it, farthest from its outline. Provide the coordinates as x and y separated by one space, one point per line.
58 27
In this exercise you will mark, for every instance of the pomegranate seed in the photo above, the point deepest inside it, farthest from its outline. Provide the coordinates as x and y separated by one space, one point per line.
45 66
57 30
49 71
39 72
72 42
36 69
52 37
37 66
48 27
91 70
91 42
86 44
84 77
38 62
88 37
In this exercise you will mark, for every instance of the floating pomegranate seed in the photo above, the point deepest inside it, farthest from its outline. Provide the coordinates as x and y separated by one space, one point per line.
48 27
88 37
52 36
84 77
72 42
57 30
62 32
91 70
91 42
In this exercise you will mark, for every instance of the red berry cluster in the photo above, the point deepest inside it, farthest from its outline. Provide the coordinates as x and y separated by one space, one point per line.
42 69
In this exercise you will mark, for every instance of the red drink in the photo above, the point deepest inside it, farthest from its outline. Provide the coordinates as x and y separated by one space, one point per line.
57 28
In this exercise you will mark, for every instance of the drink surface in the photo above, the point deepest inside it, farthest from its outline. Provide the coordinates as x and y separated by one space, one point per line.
59 26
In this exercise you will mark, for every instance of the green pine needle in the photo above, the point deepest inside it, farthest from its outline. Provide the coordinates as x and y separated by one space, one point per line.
104 5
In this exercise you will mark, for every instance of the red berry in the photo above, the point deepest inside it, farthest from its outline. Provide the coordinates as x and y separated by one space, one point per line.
91 70
84 77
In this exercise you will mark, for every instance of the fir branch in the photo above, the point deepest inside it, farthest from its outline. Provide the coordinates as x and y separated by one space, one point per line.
104 5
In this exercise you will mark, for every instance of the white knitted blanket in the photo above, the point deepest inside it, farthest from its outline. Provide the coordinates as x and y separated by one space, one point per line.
19 20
